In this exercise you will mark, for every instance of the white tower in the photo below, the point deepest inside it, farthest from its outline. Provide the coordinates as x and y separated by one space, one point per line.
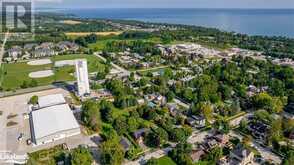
82 77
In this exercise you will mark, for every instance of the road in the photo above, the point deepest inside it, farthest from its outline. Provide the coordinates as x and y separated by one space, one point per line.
265 152
156 154
114 65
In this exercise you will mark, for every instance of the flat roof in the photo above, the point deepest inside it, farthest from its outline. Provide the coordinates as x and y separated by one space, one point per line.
50 100
52 120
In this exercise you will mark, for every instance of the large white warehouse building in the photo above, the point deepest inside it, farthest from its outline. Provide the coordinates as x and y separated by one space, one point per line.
53 123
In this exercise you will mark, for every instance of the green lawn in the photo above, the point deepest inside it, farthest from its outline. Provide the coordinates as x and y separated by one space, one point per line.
166 161
15 74
47 156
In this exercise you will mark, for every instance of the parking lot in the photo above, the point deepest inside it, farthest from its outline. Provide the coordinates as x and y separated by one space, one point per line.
14 121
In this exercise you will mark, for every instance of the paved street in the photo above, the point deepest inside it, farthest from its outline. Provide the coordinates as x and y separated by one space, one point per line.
156 154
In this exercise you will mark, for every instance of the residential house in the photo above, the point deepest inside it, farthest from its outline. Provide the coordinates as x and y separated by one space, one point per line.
43 52
15 52
65 46
126 144
223 161
141 101
209 144
29 47
259 130
200 121
196 155
173 109
139 135
241 156
48 45
223 139
190 121
160 100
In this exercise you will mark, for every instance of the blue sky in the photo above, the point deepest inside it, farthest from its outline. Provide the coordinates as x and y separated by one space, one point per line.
166 3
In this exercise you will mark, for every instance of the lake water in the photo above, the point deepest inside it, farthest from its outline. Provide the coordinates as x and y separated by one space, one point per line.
271 22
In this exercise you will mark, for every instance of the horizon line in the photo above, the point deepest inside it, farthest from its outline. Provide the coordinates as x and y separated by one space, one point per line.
162 8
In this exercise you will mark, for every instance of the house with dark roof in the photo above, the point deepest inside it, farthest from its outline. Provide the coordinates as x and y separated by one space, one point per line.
126 144
209 144
199 121
139 135
259 130
241 156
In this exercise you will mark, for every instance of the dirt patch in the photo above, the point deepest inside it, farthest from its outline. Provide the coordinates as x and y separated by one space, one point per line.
41 74
40 62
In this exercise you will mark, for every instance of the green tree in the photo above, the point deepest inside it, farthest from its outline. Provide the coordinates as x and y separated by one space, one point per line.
170 96
81 155
206 110
106 110
265 101
91 115
120 125
188 94
24 84
215 154
152 140
33 83
111 153
34 100
289 160
180 154
132 124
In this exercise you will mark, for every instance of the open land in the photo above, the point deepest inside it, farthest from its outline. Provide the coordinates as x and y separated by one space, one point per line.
16 73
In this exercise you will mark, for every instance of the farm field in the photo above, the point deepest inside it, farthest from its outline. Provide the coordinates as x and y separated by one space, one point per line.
15 74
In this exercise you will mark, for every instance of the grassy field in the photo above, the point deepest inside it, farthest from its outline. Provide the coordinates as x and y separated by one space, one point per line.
100 45
166 161
15 74
47 156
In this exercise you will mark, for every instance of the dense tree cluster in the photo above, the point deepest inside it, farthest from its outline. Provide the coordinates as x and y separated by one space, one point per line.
136 46
91 115
81 155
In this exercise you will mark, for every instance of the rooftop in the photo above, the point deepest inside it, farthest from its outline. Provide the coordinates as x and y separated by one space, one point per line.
50 100
51 120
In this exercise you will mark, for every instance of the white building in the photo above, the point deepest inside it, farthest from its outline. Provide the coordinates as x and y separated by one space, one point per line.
82 77
50 100
53 123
